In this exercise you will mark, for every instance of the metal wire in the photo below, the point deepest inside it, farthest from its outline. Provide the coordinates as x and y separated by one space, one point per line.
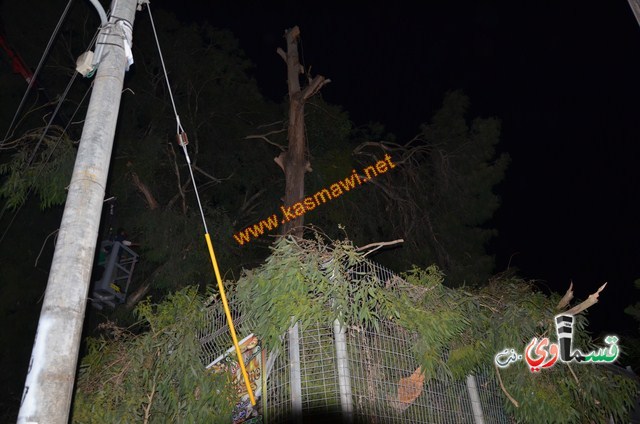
37 71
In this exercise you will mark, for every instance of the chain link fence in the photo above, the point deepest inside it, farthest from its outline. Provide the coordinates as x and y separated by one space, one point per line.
328 373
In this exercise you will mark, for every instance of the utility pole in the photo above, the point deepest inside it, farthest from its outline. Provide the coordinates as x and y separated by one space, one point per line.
50 379
635 8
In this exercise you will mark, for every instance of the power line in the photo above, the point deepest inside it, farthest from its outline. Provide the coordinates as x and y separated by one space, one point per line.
53 116
64 131
46 161
37 72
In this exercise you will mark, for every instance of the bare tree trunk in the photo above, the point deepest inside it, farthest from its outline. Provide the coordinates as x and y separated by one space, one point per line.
293 161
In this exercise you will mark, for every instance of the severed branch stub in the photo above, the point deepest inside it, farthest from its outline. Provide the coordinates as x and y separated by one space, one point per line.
591 300
566 298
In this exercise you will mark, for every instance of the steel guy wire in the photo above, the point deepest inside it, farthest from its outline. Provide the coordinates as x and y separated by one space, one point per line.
37 71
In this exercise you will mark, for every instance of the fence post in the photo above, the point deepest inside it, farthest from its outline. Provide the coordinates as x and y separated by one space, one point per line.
344 376
295 380
476 406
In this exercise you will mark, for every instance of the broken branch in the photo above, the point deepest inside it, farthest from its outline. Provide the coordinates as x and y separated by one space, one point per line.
315 84
206 174
591 300
142 187
566 298
280 159
515 402
378 245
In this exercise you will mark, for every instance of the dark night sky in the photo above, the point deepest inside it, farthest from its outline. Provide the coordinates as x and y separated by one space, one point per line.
562 77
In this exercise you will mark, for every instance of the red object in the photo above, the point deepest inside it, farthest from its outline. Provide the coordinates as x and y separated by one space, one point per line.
17 64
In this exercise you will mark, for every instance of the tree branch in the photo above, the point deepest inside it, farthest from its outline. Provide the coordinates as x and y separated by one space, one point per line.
591 300
177 172
211 177
147 409
271 124
280 160
177 196
315 84
515 402
248 205
142 187
266 139
566 298
378 245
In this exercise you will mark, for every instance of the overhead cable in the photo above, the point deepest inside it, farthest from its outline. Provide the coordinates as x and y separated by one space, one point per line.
36 73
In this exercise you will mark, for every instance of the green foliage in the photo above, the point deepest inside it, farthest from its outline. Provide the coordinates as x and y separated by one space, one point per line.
632 345
154 376
47 176
460 175
440 196
327 126
310 281
458 331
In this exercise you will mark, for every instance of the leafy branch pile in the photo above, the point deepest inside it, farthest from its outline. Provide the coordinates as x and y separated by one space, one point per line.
458 331
155 376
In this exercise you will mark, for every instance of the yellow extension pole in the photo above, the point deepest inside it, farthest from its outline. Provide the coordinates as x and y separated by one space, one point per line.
182 139
227 311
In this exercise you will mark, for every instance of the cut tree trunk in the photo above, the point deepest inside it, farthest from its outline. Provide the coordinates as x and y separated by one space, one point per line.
293 161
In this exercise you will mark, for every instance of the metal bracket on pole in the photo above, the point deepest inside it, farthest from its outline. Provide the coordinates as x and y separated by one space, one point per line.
125 33
140 3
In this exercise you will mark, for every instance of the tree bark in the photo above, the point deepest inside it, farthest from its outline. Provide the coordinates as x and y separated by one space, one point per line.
137 295
293 161
146 192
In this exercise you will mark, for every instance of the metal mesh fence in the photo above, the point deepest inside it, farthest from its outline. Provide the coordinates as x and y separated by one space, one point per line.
491 399
215 337
318 371
357 375
387 384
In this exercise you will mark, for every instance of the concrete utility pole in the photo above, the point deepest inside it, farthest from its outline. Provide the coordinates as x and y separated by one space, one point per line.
51 375
635 7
